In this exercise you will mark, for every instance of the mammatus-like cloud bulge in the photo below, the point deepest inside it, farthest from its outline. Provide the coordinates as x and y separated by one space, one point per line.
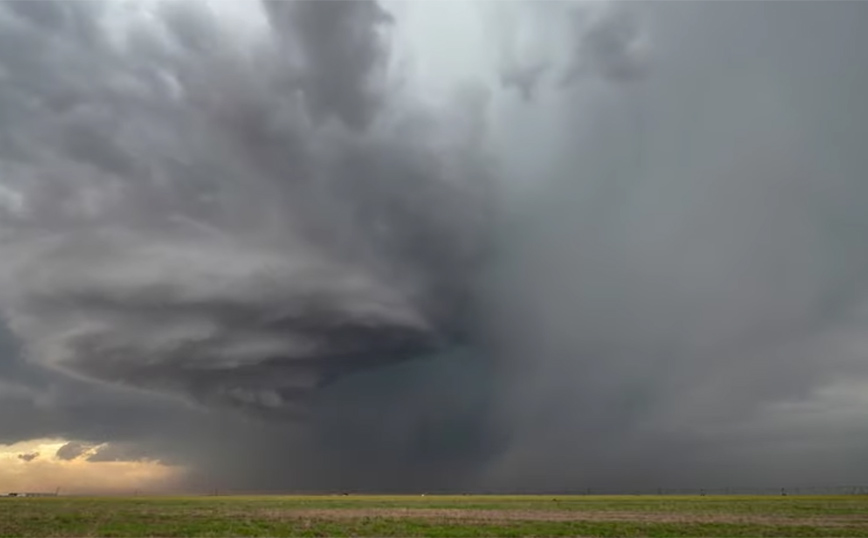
235 217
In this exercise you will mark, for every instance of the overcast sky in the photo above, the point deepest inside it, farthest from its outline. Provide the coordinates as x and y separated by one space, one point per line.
418 246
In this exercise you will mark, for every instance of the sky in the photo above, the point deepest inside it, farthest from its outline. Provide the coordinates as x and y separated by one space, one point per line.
432 245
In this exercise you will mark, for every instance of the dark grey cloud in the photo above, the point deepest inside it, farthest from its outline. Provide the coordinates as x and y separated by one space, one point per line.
208 213
72 450
612 45
342 53
523 78
28 457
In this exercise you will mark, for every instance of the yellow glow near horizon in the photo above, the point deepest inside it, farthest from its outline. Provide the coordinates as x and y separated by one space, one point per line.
47 472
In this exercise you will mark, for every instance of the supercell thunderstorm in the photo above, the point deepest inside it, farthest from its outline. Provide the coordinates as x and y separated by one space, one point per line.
623 247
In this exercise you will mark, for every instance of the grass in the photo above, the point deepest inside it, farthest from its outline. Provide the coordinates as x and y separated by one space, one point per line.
436 516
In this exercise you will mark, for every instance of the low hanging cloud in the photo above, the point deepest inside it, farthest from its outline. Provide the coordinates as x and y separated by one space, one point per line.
648 272
28 457
72 450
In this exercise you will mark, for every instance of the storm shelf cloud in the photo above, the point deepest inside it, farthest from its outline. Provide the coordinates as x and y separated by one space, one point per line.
303 245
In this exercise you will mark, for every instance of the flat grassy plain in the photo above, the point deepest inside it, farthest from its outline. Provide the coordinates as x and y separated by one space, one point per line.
436 516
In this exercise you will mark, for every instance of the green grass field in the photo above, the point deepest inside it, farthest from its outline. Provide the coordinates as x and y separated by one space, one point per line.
436 516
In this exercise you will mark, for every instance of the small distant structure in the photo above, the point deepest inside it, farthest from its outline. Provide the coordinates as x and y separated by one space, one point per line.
32 494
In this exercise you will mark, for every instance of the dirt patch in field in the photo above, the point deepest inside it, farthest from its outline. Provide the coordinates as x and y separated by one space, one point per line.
493 516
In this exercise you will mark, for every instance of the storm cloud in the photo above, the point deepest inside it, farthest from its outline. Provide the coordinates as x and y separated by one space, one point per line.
218 220
262 241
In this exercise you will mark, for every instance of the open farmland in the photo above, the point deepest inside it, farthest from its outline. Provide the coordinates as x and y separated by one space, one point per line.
435 516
